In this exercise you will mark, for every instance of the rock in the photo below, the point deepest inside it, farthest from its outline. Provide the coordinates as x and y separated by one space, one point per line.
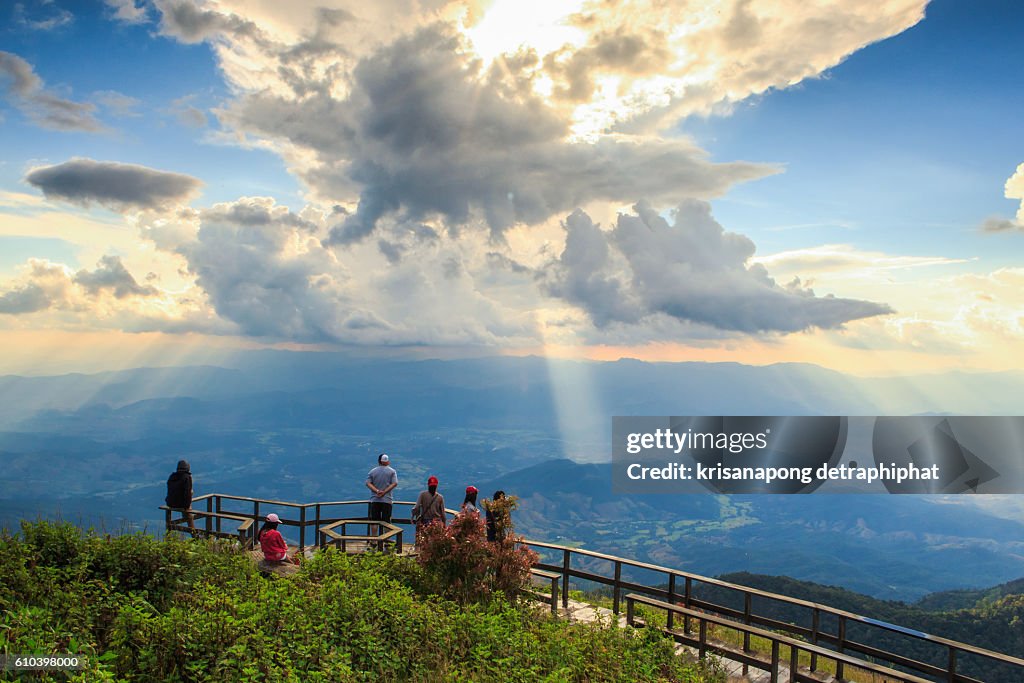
277 568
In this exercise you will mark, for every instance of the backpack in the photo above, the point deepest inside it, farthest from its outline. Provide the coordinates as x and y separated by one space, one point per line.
179 489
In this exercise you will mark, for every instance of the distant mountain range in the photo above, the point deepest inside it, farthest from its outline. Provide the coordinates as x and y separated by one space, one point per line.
307 426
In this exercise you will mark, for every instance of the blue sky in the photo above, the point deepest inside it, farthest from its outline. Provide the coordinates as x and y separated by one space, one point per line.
95 54
904 146
895 136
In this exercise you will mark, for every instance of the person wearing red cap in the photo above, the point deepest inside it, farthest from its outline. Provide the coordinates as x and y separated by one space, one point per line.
429 507
469 504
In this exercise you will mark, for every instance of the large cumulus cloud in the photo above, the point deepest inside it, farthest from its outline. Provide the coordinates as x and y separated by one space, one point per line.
114 185
437 163
423 133
265 269
692 270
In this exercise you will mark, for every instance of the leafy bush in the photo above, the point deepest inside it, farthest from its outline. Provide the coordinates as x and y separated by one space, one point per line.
501 513
55 545
467 568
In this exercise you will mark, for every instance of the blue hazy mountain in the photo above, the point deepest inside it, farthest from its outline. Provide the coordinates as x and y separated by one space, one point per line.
891 547
307 426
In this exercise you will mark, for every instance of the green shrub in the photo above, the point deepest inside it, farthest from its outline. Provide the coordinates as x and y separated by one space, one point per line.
144 610
57 544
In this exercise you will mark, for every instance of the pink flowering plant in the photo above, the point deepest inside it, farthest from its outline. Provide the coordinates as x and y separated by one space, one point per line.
465 567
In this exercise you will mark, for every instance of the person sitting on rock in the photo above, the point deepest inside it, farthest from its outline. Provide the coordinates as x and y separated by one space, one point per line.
272 543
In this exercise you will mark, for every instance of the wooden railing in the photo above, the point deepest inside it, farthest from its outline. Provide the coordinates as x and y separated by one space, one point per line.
773 666
824 632
680 588
384 532
212 509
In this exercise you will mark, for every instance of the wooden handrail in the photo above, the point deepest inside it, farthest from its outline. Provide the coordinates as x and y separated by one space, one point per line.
770 636
822 609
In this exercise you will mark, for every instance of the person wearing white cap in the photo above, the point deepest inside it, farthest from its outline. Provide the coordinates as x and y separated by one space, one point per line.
381 481
272 543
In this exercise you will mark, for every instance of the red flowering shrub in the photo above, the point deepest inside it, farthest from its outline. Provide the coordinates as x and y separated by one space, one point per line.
466 568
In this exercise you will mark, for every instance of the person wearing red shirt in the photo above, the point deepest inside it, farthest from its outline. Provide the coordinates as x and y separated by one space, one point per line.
272 543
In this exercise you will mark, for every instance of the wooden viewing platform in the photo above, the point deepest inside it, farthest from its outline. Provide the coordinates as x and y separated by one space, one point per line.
824 633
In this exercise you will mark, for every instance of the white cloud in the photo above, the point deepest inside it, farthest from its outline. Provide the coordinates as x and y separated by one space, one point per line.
45 285
49 19
424 134
387 106
117 104
832 259
265 269
51 295
28 93
692 271
128 11
447 174
1014 189
977 315
626 65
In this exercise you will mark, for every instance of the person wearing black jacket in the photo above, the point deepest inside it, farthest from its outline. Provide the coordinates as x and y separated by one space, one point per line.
492 531
179 492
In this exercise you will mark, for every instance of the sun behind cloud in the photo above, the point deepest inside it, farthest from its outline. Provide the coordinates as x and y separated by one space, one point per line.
496 175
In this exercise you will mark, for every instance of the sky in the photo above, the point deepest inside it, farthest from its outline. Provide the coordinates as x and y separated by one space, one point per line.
832 183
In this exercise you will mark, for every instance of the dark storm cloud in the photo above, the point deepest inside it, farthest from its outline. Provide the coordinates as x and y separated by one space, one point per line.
111 184
583 275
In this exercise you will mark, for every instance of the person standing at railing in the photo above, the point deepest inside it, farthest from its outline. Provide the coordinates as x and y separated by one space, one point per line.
494 510
179 493
429 507
469 504
381 481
